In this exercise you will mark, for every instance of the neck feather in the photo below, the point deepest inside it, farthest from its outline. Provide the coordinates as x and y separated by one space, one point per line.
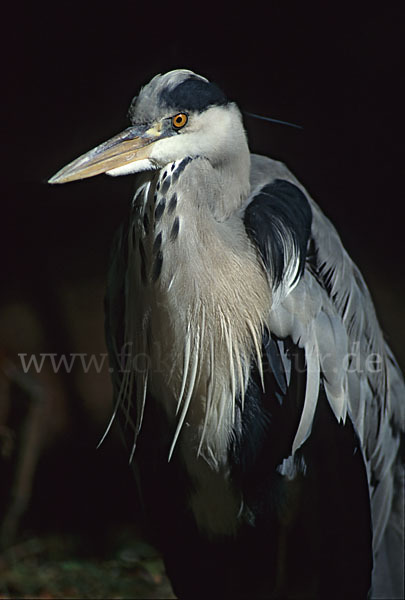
201 301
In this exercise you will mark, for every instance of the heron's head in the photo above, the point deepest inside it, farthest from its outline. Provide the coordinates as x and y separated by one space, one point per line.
176 115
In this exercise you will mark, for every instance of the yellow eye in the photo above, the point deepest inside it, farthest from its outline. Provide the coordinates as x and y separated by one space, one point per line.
178 121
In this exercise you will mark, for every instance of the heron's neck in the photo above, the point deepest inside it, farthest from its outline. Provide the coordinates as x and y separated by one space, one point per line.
228 185
197 302
196 229
201 293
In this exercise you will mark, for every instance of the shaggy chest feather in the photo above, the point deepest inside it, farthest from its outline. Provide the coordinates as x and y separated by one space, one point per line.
209 333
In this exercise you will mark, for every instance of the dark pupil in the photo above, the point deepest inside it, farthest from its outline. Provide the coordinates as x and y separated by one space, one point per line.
178 120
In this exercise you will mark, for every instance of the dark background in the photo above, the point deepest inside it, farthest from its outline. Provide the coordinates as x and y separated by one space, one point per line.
70 70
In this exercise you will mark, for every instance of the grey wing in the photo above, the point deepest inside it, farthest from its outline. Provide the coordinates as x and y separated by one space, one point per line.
115 307
129 375
120 351
328 312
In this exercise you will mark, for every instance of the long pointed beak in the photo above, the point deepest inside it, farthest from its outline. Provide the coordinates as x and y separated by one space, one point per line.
130 145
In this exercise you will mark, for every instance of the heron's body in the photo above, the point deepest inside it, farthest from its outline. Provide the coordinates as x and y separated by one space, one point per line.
265 407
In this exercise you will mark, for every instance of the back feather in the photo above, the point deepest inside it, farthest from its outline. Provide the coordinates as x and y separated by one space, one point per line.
330 314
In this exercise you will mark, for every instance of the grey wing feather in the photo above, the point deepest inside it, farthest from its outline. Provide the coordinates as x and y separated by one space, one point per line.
115 310
115 307
331 309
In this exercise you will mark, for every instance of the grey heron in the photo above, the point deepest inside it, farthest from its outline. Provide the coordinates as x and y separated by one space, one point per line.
263 408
